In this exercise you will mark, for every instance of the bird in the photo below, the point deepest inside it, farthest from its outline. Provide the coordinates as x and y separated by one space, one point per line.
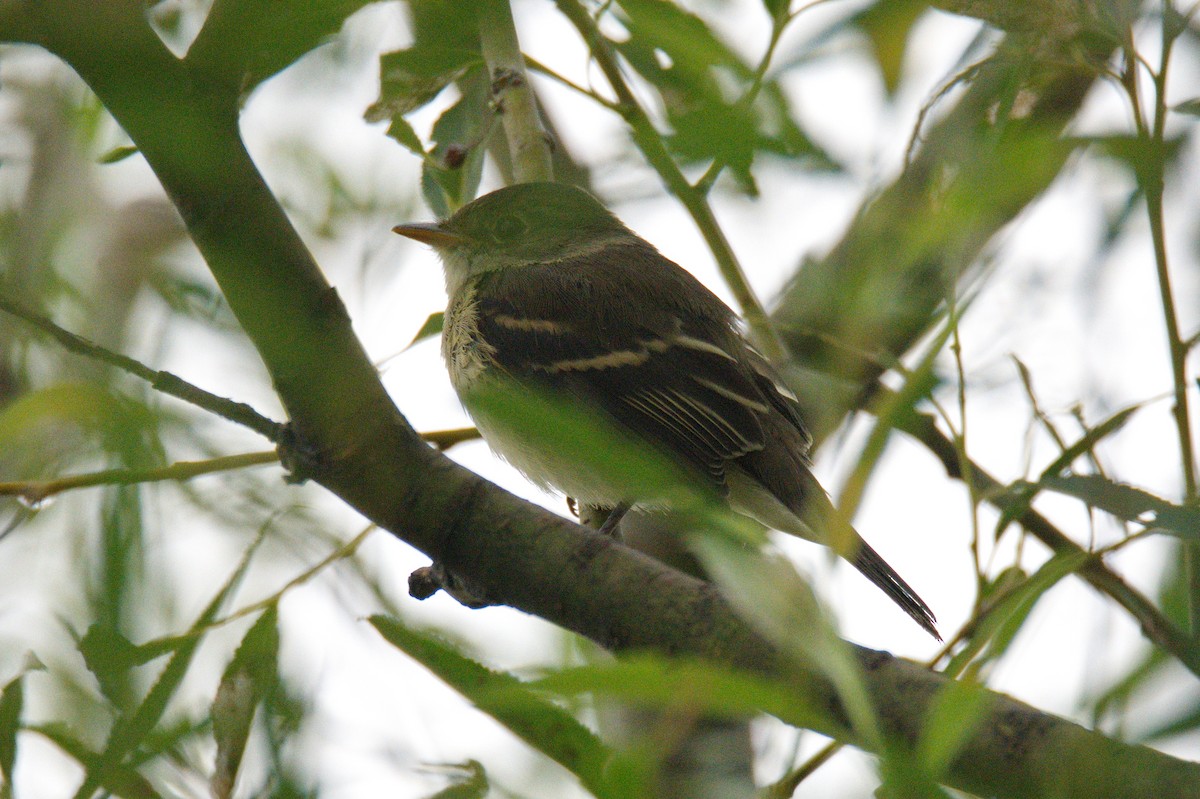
551 295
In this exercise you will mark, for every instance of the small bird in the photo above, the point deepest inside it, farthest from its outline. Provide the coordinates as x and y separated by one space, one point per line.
551 293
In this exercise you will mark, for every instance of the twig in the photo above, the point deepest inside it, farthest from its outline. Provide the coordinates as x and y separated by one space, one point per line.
650 142
528 144
34 492
167 383
1156 627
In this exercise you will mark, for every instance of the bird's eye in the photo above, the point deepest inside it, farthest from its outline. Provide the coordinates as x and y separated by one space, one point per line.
509 227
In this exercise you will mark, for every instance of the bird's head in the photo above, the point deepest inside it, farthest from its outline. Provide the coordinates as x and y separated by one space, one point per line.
521 225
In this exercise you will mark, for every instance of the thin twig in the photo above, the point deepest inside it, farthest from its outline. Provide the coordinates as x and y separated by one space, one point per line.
787 785
35 492
1156 627
167 383
650 142
778 25
528 145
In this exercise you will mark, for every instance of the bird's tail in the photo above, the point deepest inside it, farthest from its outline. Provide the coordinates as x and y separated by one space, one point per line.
877 570
800 506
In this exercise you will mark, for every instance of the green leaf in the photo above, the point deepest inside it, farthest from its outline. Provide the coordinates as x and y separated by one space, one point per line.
702 82
1145 157
472 782
1016 498
448 183
887 25
1191 107
12 703
1128 502
109 656
244 42
247 678
432 327
118 154
532 717
408 79
118 779
132 728
403 133
999 624
690 686
950 723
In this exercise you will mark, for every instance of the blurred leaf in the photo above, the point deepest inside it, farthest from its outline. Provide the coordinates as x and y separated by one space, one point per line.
132 728
765 590
118 154
998 625
118 779
432 327
897 409
403 133
887 24
244 42
109 656
1143 156
1128 503
778 9
1191 107
194 299
689 685
408 79
1181 721
1017 497
1117 221
701 81
472 782
533 718
12 703
246 679
951 721
448 183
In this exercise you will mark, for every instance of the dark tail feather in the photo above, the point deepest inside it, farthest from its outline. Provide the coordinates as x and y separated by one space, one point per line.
876 569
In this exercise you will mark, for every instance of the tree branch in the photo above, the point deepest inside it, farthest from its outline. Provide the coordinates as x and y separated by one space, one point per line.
528 144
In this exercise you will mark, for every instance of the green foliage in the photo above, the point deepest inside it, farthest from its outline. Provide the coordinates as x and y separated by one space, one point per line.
12 701
705 88
532 717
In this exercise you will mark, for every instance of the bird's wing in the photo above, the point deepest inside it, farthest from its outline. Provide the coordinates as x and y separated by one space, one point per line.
668 366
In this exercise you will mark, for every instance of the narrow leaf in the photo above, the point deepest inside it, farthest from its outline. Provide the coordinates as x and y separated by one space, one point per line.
999 624
12 702
689 685
1019 496
1129 503
534 719
129 730
248 676
472 782
118 154
118 780
432 327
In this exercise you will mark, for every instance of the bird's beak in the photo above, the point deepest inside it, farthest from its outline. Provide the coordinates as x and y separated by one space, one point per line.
431 233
